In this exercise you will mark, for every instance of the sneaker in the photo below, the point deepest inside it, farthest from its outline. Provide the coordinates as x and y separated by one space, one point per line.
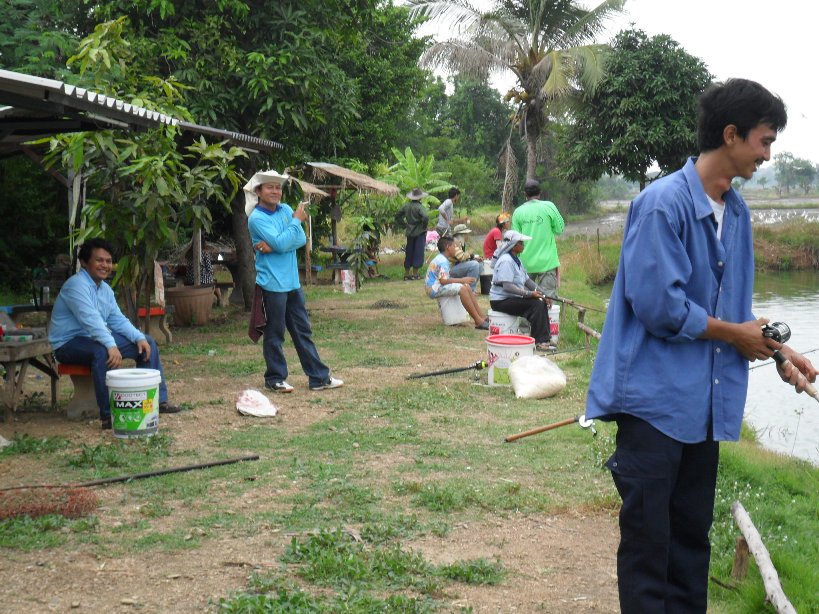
167 408
330 383
279 387
483 325
545 347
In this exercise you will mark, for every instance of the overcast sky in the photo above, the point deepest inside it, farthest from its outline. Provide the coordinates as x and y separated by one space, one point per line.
773 42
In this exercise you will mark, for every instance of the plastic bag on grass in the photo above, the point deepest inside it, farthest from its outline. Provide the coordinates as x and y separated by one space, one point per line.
253 403
536 377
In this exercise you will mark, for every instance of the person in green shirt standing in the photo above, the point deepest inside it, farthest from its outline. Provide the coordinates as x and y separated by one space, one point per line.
540 220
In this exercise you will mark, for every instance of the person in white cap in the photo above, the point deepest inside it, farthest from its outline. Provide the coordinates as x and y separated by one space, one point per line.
276 233
514 292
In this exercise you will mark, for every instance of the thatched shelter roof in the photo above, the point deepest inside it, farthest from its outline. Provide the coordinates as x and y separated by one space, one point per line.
332 176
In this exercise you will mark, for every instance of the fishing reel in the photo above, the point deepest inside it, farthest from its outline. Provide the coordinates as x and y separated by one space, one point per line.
778 331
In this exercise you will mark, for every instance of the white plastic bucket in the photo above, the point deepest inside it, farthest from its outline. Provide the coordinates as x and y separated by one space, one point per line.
506 324
503 351
452 311
554 322
133 395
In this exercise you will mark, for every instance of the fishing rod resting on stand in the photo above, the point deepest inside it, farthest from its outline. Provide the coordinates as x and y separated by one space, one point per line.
781 332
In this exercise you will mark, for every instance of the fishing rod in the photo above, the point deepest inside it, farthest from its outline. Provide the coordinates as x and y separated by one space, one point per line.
480 364
781 332
770 362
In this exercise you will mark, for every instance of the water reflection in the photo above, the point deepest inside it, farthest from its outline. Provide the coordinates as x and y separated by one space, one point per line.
785 421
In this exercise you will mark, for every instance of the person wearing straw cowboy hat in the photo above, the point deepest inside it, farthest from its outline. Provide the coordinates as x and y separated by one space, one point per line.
514 292
276 233
414 216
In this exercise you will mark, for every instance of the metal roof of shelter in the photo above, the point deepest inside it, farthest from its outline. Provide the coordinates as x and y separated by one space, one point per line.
39 107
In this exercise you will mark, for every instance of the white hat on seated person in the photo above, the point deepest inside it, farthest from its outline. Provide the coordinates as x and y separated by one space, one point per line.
260 178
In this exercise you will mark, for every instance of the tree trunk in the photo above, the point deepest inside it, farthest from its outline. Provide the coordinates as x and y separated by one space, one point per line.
246 268
531 154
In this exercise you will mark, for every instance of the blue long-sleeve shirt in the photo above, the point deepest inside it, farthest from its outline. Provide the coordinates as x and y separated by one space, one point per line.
673 273
277 271
85 309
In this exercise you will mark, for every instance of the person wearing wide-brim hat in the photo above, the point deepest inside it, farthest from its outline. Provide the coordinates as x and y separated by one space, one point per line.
276 233
513 292
462 262
414 217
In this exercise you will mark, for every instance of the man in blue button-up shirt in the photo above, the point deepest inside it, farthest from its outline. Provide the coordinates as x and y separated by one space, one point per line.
88 328
672 364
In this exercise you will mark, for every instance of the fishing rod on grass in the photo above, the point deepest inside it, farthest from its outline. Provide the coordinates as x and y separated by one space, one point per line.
781 332
479 365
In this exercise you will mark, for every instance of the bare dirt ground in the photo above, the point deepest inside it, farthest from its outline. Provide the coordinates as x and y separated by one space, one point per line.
560 563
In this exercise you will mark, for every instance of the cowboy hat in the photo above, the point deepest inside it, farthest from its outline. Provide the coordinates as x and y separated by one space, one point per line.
417 194
461 229
260 178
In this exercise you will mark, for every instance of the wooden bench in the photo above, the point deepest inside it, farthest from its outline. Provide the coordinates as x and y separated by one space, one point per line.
84 402
159 320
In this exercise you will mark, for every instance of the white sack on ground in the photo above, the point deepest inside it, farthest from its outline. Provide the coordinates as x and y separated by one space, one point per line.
254 403
536 377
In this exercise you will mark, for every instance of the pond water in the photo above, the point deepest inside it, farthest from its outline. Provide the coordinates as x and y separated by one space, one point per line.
785 421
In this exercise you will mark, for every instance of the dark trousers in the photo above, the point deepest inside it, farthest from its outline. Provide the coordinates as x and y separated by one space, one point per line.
534 310
86 351
668 490
414 252
287 310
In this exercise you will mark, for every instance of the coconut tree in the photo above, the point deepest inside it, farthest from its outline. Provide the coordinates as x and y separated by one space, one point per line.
548 45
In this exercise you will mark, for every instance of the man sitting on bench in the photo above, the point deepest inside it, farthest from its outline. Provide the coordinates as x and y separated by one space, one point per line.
88 328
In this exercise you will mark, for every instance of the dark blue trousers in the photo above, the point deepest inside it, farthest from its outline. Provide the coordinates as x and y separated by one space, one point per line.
668 491
86 351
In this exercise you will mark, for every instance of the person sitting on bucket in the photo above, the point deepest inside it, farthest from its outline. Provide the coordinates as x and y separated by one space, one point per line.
464 263
88 328
513 292
438 283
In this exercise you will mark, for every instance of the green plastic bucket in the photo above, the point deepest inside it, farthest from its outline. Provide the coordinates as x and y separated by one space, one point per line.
133 395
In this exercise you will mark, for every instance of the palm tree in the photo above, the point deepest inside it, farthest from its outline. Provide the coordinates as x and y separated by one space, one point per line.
547 44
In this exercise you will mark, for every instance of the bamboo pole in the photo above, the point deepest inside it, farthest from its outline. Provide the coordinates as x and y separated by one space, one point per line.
770 578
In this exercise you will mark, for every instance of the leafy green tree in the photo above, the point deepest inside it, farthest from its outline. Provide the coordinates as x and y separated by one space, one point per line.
410 172
479 117
143 187
546 44
804 172
644 111
784 167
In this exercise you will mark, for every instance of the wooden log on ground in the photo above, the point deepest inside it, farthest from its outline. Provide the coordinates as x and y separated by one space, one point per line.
770 578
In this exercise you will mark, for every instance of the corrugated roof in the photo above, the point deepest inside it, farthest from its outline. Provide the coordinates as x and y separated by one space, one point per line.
41 107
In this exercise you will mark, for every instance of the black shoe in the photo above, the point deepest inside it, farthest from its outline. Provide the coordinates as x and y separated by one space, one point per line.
105 424
167 408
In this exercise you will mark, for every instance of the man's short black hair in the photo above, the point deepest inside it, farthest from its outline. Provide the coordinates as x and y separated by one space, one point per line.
743 103
531 188
453 192
87 248
444 242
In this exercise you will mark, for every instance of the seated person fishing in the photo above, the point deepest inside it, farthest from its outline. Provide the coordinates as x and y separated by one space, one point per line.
514 293
88 328
438 283
464 263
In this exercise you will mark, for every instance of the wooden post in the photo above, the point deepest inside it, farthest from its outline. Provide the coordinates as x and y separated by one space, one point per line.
770 578
741 558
